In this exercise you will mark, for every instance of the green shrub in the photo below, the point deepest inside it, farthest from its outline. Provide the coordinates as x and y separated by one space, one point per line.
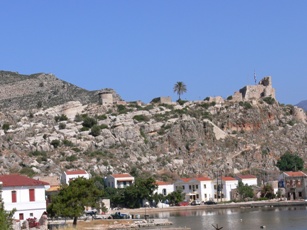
104 126
101 117
269 100
140 118
38 153
229 98
27 171
6 126
62 125
55 143
71 158
89 122
95 130
67 143
63 117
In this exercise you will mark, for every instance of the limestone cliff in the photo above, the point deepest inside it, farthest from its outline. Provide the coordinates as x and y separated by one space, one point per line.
166 140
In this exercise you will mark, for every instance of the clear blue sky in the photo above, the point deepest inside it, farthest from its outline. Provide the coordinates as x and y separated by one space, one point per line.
141 48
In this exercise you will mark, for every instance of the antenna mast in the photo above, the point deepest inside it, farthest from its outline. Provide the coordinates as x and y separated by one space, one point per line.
255 78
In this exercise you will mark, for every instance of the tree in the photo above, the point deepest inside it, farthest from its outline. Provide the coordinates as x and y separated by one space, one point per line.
175 197
267 191
6 218
290 162
245 191
73 198
180 88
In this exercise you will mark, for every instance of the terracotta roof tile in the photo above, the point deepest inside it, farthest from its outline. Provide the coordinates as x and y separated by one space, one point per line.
121 175
15 180
203 179
163 183
227 178
295 174
76 172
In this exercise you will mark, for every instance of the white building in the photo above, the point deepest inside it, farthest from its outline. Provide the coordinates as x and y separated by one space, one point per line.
70 175
247 179
222 188
119 180
199 188
164 188
24 194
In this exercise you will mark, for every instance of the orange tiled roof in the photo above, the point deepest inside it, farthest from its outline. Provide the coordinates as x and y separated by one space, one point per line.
186 179
295 174
202 178
76 172
12 180
227 178
121 175
163 183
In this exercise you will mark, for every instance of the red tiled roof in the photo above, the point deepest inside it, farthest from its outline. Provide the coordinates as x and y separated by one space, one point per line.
163 183
294 174
76 172
14 180
202 178
226 178
121 175
246 176
186 179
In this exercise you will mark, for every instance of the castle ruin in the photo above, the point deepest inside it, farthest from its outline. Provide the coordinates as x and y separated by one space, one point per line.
254 92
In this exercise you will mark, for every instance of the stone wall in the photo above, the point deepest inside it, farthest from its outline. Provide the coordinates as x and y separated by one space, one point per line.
262 90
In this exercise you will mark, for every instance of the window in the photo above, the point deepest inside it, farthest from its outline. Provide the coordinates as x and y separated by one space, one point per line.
197 196
183 187
164 192
31 194
31 214
215 186
196 186
205 195
20 216
14 197
190 187
215 196
205 186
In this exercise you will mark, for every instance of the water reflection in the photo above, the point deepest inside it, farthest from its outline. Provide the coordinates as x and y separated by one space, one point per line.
241 218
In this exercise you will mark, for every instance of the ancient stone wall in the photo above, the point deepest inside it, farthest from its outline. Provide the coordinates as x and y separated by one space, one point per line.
263 89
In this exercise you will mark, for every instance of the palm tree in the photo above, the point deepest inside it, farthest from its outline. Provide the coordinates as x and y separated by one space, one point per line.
180 88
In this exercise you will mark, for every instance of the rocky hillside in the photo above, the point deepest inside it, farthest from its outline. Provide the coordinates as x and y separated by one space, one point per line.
40 90
165 140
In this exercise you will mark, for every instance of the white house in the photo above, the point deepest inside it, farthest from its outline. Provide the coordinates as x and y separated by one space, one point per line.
70 175
164 188
25 194
222 188
119 180
199 188
247 179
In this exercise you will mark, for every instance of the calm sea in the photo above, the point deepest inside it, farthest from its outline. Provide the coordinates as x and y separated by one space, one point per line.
281 218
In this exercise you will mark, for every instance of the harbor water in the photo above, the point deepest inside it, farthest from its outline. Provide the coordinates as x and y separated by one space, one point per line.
269 218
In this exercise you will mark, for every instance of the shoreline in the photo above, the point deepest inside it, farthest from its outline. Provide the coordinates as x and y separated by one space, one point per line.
251 204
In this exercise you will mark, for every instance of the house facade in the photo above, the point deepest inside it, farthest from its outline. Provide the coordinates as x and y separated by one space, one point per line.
24 194
72 174
247 179
222 188
119 180
198 188
294 184
164 188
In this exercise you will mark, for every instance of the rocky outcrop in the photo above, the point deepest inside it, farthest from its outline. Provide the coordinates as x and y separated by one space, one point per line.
165 140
